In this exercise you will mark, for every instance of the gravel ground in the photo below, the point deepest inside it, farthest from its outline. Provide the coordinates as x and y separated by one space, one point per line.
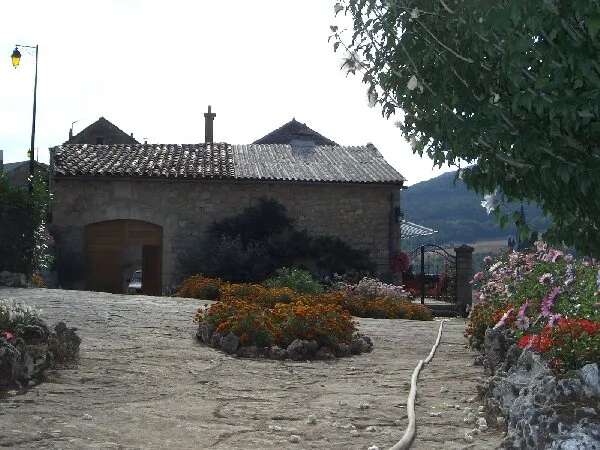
143 381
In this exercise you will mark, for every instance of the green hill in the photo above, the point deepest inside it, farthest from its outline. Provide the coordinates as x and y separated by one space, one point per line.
453 210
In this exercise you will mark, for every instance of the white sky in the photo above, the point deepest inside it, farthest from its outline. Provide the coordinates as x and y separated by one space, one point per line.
152 67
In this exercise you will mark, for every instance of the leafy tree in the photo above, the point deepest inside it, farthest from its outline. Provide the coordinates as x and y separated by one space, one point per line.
511 87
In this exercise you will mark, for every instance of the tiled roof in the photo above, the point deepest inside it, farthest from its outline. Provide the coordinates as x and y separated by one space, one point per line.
144 160
321 163
294 131
243 162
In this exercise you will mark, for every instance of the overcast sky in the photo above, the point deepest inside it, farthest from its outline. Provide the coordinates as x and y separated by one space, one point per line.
152 67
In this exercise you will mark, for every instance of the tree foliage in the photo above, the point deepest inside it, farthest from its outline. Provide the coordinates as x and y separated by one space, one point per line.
511 87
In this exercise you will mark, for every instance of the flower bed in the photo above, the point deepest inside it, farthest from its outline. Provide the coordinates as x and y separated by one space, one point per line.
28 347
548 300
296 330
368 298
537 322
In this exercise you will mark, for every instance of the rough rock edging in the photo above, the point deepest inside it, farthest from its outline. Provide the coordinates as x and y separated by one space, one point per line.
297 350
540 409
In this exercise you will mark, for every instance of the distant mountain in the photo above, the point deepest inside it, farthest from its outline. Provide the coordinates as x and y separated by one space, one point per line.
456 212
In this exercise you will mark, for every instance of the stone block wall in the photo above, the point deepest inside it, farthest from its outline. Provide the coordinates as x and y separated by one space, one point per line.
361 215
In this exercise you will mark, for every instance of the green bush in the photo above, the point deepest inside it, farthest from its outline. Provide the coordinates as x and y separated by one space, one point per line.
297 279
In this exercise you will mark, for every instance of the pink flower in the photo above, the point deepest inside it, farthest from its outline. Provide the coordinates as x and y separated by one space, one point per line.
8 336
546 278
522 321
503 319
548 302
553 319
478 277
487 260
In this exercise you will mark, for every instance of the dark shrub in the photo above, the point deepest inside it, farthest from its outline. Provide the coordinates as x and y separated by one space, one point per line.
254 244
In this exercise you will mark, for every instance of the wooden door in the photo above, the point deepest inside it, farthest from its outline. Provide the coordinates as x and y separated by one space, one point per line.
108 246
151 283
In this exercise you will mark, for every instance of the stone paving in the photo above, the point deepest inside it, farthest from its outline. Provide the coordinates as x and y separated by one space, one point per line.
144 382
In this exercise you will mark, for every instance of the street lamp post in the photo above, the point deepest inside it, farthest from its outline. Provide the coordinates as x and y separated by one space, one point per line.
16 59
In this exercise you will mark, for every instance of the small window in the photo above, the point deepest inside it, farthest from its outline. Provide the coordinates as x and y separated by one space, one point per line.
100 140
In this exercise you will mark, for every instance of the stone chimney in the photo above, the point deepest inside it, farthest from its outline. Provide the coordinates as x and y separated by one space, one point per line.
209 117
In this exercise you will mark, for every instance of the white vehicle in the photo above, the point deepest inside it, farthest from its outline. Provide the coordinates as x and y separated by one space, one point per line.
135 283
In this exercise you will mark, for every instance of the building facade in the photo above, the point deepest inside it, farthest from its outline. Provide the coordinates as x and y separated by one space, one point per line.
118 208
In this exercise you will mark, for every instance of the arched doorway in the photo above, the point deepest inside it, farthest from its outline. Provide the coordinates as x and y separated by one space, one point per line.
115 249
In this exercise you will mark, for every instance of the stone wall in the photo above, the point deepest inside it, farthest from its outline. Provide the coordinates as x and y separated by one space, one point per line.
361 215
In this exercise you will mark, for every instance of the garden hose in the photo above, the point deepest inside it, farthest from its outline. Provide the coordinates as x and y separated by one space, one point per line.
410 432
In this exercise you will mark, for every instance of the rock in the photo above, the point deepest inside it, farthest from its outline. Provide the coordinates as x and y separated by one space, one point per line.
294 439
205 331
468 436
324 353
443 389
590 377
371 429
11 279
230 343
539 410
297 350
470 418
301 349
360 344
64 343
342 350
275 428
250 351
215 339
354 433
277 352
311 347
311 419
87 417
435 414
482 424
479 360
363 406
373 447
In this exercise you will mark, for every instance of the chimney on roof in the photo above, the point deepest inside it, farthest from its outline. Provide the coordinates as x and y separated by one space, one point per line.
70 133
209 117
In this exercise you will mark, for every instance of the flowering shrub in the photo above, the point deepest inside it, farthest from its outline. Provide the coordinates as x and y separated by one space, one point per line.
200 287
296 279
279 325
14 315
257 294
371 288
549 300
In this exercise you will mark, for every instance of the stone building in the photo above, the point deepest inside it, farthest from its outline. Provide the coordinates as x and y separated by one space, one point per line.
122 206
101 132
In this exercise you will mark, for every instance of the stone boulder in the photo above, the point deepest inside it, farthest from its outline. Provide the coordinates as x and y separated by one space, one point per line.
324 353
360 344
301 349
544 411
342 350
230 343
250 351
205 331
64 343
277 352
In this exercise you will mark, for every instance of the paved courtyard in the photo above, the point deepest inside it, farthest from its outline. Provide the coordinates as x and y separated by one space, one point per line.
144 382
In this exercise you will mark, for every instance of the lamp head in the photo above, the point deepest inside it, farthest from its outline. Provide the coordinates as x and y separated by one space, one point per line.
16 57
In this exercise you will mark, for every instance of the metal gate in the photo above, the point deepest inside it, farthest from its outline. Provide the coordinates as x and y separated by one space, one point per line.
432 275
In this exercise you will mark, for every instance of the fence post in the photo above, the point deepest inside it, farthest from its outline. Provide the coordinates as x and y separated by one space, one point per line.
464 274
422 274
